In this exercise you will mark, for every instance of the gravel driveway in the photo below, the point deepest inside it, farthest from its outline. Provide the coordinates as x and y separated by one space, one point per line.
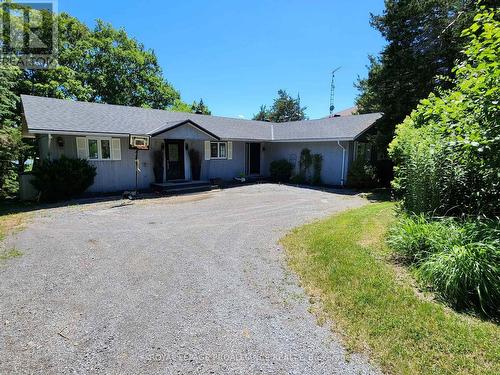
191 284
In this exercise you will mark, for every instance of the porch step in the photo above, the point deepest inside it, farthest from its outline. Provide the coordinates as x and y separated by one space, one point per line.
181 187
193 189
255 178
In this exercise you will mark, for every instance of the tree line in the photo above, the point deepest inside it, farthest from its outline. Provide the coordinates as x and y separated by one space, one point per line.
100 64
424 42
103 64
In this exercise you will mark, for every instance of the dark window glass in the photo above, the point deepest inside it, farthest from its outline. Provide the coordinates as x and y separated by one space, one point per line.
105 149
93 151
222 150
214 151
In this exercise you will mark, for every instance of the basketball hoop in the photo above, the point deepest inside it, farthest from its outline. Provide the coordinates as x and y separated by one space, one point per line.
139 142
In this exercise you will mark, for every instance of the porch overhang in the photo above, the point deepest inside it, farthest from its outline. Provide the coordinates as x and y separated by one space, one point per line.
177 124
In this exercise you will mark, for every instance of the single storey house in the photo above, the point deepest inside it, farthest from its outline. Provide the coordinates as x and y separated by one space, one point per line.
228 147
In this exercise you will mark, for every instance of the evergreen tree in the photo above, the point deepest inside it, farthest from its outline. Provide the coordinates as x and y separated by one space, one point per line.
200 108
10 134
423 42
262 115
284 109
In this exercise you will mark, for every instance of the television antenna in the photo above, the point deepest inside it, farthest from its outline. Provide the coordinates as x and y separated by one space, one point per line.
332 92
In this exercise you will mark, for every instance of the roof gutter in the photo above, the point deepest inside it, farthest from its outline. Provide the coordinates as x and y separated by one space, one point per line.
73 132
312 140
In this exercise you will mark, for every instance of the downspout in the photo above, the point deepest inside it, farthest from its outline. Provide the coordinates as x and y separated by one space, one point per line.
343 163
49 143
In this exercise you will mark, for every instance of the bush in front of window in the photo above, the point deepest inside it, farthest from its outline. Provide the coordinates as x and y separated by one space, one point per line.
195 162
361 175
317 164
63 178
281 170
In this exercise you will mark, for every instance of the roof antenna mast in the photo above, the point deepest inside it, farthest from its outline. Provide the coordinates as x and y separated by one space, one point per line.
332 92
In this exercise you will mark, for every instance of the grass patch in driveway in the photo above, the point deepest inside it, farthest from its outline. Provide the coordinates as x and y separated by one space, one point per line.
343 262
8 254
11 222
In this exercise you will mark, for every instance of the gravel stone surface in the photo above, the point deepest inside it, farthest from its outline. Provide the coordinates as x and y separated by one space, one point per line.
179 285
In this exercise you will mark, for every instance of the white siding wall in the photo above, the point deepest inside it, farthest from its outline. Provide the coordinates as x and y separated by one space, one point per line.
224 169
112 175
118 175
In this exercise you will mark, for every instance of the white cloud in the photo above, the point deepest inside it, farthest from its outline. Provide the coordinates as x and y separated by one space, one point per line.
241 116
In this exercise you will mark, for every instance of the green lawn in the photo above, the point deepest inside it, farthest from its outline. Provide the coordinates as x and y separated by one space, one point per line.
344 265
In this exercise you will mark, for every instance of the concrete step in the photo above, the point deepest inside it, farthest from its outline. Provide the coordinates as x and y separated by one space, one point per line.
179 186
187 190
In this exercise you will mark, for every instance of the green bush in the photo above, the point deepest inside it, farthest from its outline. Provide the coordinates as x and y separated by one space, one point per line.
317 163
447 152
457 259
195 160
361 175
63 178
281 170
305 162
298 179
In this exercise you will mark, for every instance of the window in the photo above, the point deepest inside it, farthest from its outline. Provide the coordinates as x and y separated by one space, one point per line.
214 150
218 150
105 149
363 151
222 150
93 149
173 152
99 148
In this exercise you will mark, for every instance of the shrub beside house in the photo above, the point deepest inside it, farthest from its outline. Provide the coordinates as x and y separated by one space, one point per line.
447 155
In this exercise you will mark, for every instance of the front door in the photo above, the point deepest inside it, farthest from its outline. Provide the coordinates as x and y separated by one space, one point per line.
174 150
253 164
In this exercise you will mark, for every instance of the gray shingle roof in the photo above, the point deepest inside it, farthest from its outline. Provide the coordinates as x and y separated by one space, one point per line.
346 127
57 115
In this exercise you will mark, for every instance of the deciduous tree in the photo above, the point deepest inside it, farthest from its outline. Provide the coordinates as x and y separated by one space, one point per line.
102 64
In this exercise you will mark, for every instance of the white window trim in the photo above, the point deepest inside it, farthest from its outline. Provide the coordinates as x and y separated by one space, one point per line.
218 151
99 148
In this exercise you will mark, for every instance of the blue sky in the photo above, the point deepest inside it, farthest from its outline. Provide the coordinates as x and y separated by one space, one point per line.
237 54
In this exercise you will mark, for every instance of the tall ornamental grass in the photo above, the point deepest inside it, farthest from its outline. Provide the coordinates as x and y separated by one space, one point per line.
459 260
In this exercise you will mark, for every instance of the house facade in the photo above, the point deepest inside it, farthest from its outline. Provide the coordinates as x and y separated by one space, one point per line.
227 147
